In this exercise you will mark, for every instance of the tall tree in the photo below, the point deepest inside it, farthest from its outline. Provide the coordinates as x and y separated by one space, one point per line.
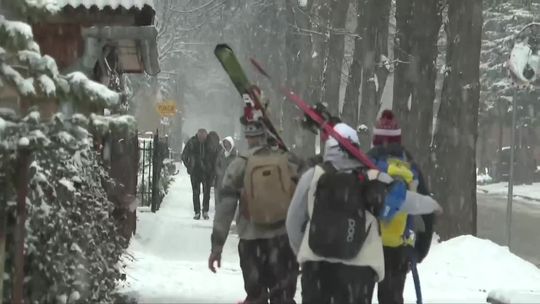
336 49
419 23
375 49
456 133
298 60
403 48
352 91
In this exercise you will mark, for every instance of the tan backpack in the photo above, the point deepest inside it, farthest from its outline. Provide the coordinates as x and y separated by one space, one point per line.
268 187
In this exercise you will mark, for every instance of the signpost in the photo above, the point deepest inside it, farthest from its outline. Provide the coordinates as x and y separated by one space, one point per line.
166 108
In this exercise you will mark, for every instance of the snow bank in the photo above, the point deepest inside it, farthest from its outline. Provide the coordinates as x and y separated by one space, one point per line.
529 192
483 179
508 296
466 268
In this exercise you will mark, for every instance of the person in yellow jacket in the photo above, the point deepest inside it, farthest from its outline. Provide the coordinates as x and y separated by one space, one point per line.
403 231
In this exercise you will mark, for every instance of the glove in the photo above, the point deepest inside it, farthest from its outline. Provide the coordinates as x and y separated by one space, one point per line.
393 200
215 258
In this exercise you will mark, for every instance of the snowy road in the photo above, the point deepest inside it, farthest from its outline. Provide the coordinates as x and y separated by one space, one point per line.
525 225
167 260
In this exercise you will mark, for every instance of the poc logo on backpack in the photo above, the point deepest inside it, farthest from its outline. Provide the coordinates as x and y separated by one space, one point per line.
338 224
351 231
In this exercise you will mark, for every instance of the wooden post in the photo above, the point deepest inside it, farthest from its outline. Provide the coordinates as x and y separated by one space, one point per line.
155 173
23 163
3 219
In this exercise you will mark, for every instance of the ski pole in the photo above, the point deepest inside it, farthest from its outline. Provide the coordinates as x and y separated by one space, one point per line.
303 105
416 277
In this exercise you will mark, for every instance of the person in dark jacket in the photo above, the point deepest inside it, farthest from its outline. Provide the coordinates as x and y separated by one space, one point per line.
226 155
387 144
194 158
213 148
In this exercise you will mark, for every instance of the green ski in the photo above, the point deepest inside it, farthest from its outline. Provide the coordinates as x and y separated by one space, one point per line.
254 108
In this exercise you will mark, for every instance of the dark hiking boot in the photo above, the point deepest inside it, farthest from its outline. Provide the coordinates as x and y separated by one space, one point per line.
205 215
197 216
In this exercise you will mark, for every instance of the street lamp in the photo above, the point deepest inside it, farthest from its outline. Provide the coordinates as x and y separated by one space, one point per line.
524 68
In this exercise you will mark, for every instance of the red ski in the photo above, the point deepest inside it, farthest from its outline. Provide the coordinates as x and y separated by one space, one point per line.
323 124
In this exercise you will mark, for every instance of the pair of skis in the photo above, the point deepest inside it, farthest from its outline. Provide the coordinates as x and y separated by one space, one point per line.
232 67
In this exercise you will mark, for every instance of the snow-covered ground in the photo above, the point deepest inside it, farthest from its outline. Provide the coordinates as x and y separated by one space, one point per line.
167 263
530 193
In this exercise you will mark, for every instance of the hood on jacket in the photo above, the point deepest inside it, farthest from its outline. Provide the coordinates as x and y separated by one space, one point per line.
230 140
333 152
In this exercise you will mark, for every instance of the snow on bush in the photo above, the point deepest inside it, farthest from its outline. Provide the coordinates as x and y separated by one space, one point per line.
73 244
33 74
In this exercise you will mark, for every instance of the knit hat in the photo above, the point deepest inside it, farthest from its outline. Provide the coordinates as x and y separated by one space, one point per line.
386 129
254 129
346 132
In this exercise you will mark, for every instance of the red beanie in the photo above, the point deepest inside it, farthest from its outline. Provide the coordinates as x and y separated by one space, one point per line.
386 129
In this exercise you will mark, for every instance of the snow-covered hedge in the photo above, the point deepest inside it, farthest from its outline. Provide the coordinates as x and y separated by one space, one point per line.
72 243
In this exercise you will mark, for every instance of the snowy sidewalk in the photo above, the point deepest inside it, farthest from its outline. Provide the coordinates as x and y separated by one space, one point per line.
167 262
170 253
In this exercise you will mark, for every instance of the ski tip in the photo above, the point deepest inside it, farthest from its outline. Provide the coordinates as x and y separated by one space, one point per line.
221 47
258 66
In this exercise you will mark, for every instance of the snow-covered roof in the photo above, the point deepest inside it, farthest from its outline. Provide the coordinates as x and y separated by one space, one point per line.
55 5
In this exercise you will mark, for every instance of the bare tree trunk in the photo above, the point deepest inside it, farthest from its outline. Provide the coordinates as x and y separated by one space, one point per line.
374 74
336 49
352 92
403 48
455 139
298 56
418 132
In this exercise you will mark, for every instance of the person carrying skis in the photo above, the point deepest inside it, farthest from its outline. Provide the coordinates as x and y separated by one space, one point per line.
399 237
194 158
261 184
226 155
332 224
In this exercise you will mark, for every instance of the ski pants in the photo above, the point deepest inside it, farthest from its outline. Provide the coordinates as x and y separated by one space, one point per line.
196 180
396 266
328 283
269 269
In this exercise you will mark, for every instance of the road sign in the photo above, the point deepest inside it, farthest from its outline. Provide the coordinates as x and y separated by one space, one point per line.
166 108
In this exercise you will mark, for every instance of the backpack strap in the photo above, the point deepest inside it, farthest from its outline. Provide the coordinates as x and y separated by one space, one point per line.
328 167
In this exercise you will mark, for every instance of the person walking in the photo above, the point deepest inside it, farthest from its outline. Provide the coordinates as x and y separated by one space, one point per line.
332 224
194 158
260 184
226 155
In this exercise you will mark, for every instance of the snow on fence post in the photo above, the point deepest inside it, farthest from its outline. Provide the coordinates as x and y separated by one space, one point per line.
22 180
155 173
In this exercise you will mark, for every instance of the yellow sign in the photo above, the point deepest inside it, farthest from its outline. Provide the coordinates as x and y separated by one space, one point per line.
166 108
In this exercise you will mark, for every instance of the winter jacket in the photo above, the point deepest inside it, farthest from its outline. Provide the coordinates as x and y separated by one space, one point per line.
423 237
223 161
194 157
213 149
230 199
301 206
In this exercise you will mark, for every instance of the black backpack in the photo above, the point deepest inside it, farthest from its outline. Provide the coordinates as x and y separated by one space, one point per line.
338 222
